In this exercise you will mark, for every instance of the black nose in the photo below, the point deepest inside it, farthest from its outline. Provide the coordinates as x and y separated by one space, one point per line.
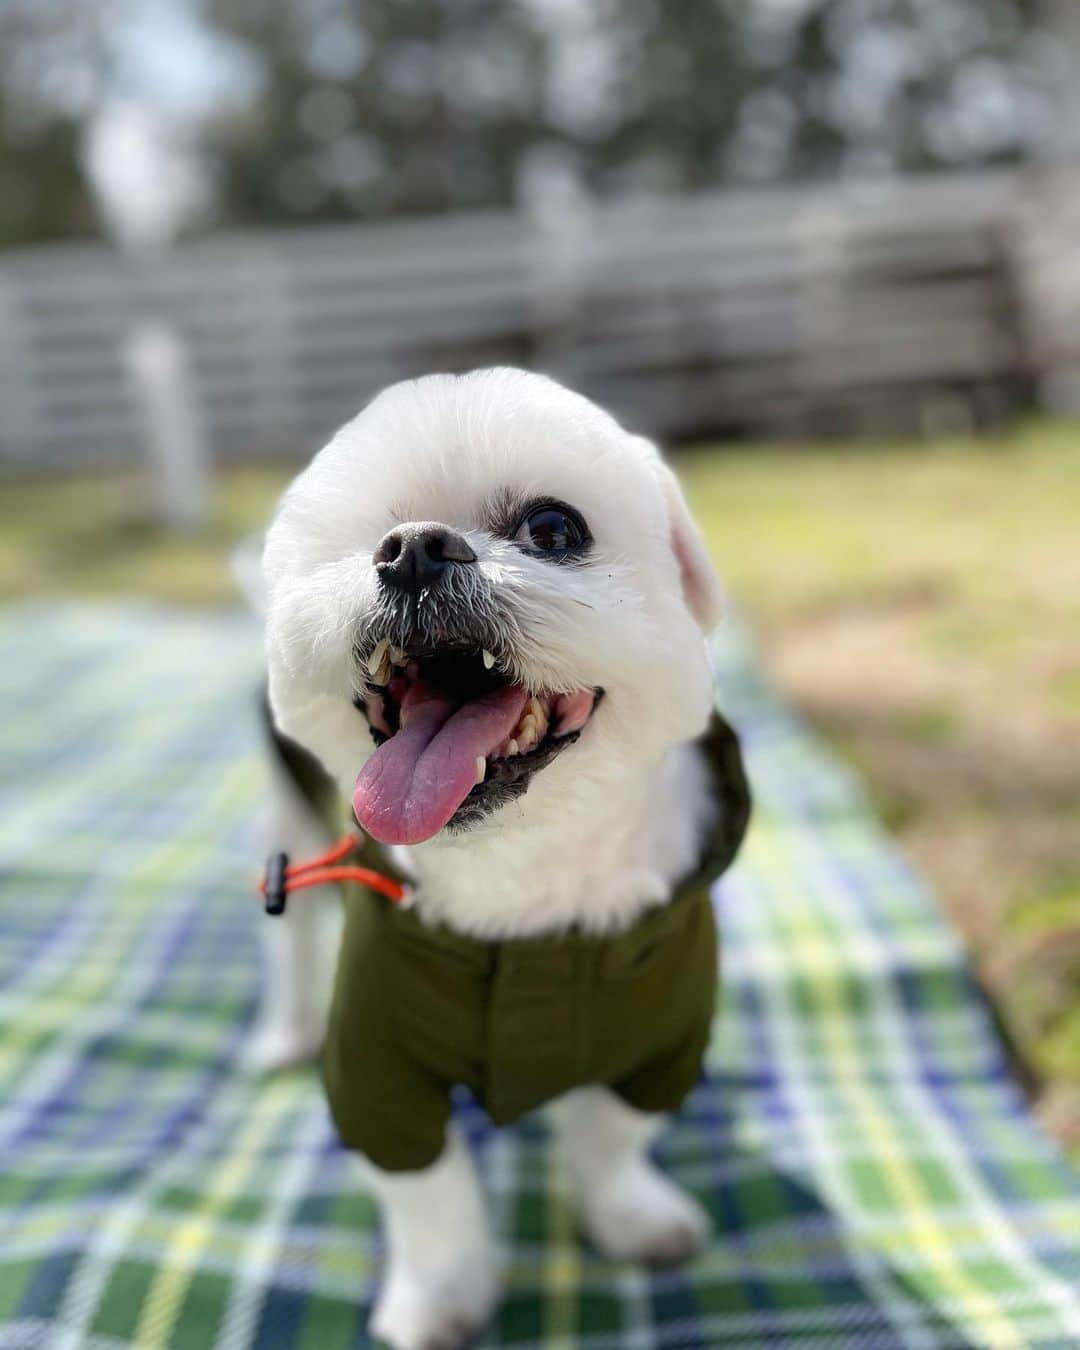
412 557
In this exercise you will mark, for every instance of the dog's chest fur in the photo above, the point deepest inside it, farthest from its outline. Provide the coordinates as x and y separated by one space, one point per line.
593 854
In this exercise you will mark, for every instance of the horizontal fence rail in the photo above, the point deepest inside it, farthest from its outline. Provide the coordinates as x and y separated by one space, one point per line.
839 308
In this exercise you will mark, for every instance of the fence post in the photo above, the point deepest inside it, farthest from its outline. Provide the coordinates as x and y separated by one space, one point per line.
20 425
820 240
156 363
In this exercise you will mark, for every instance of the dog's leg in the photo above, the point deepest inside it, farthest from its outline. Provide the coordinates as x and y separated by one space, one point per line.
439 1288
630 1210
298 947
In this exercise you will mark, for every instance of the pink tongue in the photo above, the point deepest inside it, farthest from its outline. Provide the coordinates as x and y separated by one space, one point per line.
415 781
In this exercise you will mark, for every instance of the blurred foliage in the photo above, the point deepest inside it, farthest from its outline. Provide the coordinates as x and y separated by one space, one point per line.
43 195
47 51
336 110
439 104
920 603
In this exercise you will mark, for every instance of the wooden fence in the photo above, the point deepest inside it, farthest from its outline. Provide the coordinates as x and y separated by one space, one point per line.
820 309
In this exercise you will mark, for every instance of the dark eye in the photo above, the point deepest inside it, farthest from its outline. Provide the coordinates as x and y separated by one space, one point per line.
552 529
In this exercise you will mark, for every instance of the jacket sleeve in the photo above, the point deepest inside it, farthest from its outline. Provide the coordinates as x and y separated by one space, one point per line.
386 1102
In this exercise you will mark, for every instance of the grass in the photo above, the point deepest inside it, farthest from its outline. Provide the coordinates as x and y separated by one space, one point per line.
96 536
919 602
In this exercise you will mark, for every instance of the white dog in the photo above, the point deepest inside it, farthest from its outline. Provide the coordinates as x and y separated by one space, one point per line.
485 605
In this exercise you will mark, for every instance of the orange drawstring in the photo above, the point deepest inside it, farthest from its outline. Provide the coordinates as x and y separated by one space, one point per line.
281 877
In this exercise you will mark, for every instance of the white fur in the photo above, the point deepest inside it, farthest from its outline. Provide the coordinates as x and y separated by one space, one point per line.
299 948
629 1208
602 832
440 1286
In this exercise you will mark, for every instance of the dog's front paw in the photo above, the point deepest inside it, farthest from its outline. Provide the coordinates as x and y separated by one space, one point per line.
637 1214
430 1314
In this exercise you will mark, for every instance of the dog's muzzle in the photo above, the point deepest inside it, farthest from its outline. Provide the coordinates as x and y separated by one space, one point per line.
456 736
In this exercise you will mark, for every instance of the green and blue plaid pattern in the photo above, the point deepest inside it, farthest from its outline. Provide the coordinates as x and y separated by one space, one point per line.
871 1168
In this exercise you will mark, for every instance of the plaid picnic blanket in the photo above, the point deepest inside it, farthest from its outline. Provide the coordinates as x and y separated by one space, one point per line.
871 1168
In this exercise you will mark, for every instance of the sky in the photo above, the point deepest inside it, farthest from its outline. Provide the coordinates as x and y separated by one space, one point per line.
166 58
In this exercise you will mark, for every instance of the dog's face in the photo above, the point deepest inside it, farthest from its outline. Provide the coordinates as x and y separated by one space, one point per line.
480 581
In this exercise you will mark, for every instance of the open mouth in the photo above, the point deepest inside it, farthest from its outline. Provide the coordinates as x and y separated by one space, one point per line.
455 738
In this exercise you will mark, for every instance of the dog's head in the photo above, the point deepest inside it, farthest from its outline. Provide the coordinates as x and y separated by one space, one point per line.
480 581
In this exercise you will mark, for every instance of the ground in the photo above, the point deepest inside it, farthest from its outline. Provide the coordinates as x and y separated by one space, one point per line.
920 603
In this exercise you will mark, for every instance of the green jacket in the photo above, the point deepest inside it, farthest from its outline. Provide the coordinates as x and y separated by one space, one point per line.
418 1009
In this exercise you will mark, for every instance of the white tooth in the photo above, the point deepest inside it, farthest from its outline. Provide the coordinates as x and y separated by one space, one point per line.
512 748
527 728
536 708
377 657
481 768
489 660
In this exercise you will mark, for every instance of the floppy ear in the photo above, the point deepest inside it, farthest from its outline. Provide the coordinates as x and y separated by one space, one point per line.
701 586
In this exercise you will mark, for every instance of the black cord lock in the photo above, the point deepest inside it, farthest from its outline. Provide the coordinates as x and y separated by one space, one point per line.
275 883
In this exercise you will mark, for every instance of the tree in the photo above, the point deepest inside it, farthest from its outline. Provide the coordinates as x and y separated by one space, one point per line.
398 106
428 105
46 84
